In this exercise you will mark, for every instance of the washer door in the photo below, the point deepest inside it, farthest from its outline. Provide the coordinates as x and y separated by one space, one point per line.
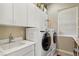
46 41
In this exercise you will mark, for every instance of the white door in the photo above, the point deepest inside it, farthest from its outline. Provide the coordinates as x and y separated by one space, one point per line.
20 14
6 13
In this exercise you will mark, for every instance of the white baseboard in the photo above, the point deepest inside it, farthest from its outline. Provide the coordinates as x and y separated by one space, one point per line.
66 52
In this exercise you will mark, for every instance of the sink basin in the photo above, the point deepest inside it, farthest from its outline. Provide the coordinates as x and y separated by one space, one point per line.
16 44
11 45
5 45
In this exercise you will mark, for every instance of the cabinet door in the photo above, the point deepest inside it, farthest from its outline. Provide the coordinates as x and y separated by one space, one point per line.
43 21
33 16
68 21
26 51
20 14
6 13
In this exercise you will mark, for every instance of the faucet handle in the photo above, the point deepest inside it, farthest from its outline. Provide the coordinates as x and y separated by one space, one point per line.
10 36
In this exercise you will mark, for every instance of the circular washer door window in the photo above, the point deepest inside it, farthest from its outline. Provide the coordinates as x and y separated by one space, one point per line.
46 41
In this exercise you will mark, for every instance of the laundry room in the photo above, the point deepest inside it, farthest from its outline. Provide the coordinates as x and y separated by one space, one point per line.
39 29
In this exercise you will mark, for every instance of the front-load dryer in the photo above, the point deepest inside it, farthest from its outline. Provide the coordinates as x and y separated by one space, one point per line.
42 40
53 35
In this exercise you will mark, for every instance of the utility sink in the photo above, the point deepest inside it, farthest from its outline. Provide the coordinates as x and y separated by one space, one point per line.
7 47
11 45
4 44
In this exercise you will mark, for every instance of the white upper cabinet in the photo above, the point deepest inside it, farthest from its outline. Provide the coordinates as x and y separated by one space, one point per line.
36 17
6 13
68 21
20 14
33 16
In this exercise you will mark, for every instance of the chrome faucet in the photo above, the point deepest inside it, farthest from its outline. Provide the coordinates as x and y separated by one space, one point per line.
10 38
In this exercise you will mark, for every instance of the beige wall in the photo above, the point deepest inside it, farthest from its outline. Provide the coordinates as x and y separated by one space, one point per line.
64 43
16 31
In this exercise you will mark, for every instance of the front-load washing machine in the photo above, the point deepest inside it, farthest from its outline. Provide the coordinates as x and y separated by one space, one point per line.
42 40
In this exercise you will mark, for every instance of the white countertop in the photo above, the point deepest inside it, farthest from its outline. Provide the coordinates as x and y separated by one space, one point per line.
27 43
